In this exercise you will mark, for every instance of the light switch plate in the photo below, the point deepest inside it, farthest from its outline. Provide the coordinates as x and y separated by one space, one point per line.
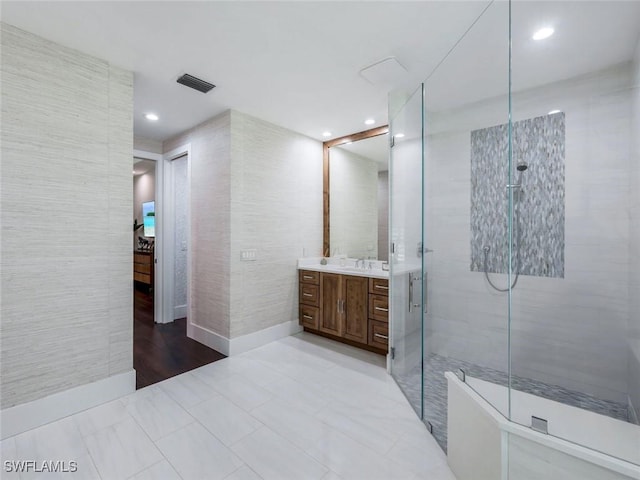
248 255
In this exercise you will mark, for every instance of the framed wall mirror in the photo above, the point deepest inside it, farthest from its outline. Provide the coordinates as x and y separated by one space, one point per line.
356 195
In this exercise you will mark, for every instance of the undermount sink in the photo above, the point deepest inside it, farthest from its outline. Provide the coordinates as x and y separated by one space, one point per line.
355 269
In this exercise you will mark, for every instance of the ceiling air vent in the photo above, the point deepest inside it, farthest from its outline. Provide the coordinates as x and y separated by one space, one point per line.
195 83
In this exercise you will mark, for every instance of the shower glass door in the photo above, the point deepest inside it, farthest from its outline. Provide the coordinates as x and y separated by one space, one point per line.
407 245
450 204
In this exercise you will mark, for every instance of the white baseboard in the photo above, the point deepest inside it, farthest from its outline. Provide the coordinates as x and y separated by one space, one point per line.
633 413
180 311
235 346
18 419
209 338
257 339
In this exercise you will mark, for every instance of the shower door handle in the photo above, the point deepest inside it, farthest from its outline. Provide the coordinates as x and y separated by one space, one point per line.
412 279
424 292
410 292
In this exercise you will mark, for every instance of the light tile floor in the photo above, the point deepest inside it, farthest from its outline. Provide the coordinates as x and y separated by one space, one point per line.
300 408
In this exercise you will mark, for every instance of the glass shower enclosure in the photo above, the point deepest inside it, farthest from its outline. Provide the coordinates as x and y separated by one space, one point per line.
514 184
407 245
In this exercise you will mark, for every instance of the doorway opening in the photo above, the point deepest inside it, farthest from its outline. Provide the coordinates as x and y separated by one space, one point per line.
161 270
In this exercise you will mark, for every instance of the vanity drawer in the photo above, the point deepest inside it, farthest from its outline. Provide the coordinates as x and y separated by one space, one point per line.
379 307
378 334
379 286
309 316
310 294
307 276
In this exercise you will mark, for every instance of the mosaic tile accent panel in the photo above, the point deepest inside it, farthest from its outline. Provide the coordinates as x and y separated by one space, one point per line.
538 205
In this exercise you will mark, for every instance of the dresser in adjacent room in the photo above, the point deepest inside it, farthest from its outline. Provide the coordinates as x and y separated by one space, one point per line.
143 267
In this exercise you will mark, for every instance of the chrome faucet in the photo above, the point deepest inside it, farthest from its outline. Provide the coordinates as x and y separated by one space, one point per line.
358 262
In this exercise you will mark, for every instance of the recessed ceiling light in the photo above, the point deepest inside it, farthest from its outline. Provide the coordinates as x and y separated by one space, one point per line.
326 134
554 111
543 33
369 121
152 117
398 135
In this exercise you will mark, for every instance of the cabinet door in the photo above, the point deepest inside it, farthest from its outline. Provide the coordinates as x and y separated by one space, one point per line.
356 293
330 292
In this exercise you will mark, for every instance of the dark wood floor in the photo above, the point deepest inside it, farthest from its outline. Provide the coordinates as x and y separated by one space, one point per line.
161 351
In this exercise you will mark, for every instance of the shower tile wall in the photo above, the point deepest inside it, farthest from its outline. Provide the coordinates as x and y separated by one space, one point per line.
565 331
538 228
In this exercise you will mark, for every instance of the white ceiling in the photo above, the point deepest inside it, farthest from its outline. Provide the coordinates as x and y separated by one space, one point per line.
296 64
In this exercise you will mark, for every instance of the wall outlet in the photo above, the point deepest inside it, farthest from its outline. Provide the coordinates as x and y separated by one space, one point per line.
248 255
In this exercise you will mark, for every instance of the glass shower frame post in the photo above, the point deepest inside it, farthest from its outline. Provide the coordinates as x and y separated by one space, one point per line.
406 191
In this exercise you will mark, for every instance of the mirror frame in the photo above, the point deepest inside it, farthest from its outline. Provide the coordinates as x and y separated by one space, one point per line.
326 231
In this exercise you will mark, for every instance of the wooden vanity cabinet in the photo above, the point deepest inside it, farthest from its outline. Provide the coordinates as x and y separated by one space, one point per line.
343 309
344 306
378 313
354 308
331 298
309 302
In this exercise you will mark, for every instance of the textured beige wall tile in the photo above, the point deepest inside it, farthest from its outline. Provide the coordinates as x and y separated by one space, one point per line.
120 129
210 221
276 208
66 188
253 185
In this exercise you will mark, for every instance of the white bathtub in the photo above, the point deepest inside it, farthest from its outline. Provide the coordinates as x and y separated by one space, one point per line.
484 445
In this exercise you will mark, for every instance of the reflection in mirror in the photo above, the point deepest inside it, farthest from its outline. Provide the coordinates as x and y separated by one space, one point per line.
359 189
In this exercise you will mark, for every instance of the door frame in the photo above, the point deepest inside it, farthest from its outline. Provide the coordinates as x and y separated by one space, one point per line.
157 267
165 248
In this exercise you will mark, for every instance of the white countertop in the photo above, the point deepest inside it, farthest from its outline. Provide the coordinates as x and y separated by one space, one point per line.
344 266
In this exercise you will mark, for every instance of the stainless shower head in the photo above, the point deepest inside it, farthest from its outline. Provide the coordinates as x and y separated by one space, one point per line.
522 166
